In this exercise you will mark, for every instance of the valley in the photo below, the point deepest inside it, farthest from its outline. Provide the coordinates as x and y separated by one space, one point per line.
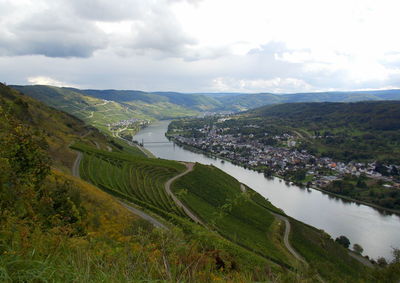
161 201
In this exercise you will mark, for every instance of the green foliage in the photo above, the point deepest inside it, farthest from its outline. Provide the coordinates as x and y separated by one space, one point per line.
388 272
26 192
323 254
344 241
58 129
367 190
358 248
24 165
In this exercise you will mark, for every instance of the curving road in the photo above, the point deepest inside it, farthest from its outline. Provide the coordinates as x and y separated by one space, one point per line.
286 237
167 186
144 215
75 167
287 231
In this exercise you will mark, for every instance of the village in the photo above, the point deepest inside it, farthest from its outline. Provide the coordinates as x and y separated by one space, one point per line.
281 159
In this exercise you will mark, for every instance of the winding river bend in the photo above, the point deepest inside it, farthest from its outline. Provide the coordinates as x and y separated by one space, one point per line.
376 232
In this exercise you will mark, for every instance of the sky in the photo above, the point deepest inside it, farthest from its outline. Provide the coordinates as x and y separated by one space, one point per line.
274 46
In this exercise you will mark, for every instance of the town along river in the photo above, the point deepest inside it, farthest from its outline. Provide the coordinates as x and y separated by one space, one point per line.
376 232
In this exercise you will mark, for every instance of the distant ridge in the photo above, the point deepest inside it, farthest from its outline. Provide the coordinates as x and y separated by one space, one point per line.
166 104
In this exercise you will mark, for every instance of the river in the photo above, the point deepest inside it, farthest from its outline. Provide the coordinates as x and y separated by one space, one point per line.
376 232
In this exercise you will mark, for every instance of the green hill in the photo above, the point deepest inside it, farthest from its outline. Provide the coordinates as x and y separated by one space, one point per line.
54 227
354 131
101 107
98 109
195 102
245 101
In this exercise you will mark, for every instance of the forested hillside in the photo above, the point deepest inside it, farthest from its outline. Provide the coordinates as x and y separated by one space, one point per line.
345 131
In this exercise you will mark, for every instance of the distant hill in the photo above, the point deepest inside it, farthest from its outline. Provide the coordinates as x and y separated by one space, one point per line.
241 102
166 105
99 108
368 130
376 115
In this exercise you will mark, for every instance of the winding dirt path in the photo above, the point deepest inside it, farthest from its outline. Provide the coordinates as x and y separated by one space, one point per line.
167 186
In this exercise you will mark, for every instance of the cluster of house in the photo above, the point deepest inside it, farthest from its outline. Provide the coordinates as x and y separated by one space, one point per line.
248 151
128 122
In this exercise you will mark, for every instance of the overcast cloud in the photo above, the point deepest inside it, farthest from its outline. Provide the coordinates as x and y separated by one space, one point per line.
201 45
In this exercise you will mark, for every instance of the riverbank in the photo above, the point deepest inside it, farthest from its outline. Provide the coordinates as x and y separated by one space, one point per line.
329 213
211 155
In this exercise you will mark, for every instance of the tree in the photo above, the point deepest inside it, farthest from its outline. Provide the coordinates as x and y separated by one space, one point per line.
381 168
382 262
361 184
394 171
358 249
25 165
344 241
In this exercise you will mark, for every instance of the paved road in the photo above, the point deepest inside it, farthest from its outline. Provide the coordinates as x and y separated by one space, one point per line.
287 231
286 237
167 186
144 215
361 259
75 167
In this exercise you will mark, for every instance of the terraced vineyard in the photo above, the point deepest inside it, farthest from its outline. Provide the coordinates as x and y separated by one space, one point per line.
134 178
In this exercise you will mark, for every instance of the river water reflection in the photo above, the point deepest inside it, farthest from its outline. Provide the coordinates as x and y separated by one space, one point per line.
377 233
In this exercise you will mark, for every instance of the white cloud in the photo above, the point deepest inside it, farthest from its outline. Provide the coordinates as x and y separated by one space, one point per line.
342 44
275 85
42 80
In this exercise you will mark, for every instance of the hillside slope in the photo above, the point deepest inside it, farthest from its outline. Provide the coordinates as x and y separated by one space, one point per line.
99 108
55 228
242 102
344 131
